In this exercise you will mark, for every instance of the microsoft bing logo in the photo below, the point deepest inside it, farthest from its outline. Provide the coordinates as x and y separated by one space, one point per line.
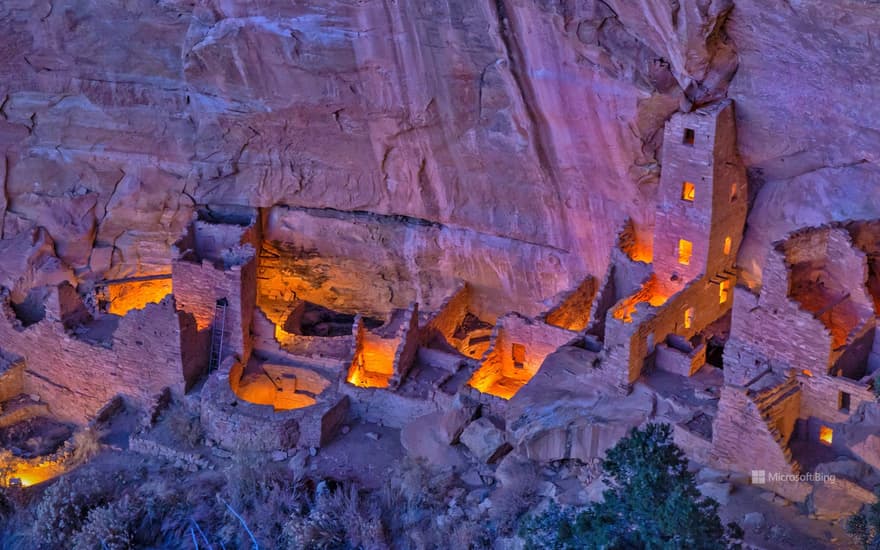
759 477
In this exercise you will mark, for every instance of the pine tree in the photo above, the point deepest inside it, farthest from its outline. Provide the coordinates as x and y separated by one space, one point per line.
652 502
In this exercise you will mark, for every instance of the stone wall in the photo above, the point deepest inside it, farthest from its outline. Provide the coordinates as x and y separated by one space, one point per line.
449 315
393 409
699 148
573 312
627 344
742 441
538 338
237 425
771 331
198 287
821 397
409 338
12 370
670 359
142 357
331 351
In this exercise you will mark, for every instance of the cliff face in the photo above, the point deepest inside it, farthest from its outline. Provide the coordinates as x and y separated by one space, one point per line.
515 135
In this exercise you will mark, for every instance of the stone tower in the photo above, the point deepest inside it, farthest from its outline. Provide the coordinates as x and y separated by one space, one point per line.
702 202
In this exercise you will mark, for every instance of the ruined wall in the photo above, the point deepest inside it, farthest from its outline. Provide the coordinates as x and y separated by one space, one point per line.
12 370
538 338
237 425
821 398
449 315
573 313
409 339
742 442
141 359
123 297
198 287
673 360
627 344
756 342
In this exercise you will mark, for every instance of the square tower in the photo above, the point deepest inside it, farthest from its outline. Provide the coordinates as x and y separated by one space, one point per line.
702 200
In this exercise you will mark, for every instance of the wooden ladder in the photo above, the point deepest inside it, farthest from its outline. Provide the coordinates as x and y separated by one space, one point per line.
218 327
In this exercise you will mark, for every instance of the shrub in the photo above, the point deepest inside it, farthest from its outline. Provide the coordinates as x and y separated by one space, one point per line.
109 526
341 518
864 527
66 505
86 445
184 426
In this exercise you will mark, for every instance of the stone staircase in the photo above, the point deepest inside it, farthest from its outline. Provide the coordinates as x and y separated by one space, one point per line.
769 401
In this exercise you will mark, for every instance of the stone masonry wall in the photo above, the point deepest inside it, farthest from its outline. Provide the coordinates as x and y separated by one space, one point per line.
12 370
449 315
408 346
821 394
76 378
742 441
539 339
573 313
197 287
628 344
672 360
772 331
690 160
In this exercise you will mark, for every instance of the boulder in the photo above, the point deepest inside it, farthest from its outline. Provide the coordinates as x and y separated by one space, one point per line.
716 490
868 449
838 498
485 441
459 415
514 468
753 520
423 438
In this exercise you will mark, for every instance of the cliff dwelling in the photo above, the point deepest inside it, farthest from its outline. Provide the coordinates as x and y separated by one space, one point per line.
439 274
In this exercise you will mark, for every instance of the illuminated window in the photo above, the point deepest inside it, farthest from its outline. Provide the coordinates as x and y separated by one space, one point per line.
689 136
687 191
732 192
826 435
519 355
727 244
806 372
685 249
689 318
723 291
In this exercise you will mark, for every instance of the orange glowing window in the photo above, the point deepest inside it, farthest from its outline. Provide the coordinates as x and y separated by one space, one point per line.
727 245
826 435
519 355
806 372
689 318
688 191
732 192
723 291
685 250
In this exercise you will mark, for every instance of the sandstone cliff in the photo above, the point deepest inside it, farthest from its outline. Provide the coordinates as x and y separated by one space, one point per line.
517 134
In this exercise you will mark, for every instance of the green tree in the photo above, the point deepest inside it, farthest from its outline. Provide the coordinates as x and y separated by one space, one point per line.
864 527
652 502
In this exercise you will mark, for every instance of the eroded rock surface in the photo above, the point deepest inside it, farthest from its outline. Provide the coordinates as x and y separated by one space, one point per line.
517 123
